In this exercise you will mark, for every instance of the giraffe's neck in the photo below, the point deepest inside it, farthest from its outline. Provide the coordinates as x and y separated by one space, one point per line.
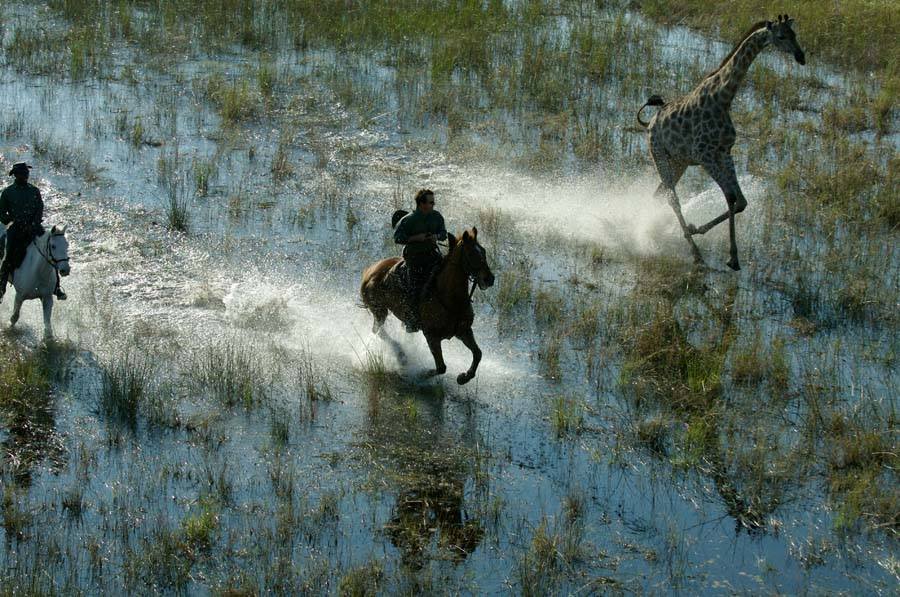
725 82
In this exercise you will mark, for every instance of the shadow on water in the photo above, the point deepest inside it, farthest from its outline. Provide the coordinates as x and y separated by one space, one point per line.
28 407
415 456
681 376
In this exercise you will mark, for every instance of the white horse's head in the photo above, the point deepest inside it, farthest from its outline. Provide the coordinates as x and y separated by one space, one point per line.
58 250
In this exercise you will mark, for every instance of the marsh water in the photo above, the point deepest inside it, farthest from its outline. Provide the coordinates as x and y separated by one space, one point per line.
337 464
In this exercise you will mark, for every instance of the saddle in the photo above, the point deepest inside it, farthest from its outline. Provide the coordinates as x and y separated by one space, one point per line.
402 275
22 237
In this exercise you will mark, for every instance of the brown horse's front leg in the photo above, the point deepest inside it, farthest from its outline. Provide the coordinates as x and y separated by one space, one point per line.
434 343
468 338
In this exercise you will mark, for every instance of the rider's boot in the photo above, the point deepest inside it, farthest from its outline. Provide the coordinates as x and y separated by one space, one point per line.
58 291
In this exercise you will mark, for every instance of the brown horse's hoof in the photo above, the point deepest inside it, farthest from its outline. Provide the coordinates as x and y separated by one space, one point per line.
733 264
464 378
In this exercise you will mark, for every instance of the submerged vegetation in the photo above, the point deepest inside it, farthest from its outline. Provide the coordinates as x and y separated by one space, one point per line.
218 418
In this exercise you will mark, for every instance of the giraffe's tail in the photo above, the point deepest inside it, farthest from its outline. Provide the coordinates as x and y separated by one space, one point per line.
654 100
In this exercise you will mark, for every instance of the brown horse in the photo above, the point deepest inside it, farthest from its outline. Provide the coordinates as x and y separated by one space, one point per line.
445 311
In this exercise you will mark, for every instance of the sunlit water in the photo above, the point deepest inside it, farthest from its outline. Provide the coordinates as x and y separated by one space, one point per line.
262 279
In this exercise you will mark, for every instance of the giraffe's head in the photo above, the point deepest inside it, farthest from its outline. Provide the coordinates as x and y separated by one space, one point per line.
782 37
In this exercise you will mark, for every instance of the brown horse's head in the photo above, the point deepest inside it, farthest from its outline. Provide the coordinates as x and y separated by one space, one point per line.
473 258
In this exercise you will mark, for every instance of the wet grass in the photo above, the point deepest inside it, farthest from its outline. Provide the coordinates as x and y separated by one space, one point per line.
553 551
863 463
124 388
567 416
363 581
233 374
856 34
24 377
743 419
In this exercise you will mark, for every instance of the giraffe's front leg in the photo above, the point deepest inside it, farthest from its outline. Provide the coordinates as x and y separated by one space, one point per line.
722 171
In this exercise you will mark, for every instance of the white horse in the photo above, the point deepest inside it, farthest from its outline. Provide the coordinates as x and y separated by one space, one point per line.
36 277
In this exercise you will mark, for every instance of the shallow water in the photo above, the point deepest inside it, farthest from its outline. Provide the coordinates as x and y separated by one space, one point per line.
480 465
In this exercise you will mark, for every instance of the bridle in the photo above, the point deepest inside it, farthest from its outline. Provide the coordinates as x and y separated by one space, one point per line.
49 258
470 270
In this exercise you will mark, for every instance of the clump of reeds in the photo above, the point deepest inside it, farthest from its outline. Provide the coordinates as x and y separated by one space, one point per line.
566 415
550 555
16 518
362 581
514 292
233 374
125 384
177 214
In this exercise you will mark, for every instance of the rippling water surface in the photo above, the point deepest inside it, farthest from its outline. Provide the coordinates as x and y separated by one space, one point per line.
349 462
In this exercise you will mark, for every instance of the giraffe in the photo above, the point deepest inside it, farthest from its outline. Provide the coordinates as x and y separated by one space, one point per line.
696 129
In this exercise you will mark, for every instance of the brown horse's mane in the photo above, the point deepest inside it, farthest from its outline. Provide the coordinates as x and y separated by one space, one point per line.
446 258
444 261
753 29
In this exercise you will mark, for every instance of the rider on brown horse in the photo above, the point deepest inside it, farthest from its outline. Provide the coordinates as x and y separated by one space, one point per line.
419 231
445 311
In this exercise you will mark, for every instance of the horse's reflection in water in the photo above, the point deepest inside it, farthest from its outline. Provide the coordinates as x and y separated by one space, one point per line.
429 469
29 419
433 506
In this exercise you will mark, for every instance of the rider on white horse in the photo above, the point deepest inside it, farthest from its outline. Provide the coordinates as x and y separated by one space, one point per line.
21 204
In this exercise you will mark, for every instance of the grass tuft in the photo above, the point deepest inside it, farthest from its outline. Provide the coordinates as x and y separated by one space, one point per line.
567 416
124 386
233 374
362 581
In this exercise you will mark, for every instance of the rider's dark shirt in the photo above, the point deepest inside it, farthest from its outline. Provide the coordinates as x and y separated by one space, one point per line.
22 205
416 223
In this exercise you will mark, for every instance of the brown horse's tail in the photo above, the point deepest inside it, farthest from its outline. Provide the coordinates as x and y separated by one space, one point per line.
654 100
398 215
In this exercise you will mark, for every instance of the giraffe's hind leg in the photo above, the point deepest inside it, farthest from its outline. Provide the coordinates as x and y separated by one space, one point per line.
671 172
